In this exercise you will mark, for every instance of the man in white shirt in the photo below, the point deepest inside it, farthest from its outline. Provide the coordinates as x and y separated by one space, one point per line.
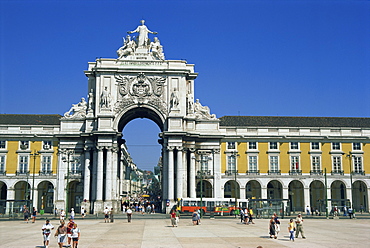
46 231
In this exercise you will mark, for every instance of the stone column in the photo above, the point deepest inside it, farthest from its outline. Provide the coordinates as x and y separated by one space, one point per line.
242 192
108 175
285 193
115 190
306 193
60 183
217 191
263 192
192 174
179 173
170 177
87 174
35 199
99 176
165 173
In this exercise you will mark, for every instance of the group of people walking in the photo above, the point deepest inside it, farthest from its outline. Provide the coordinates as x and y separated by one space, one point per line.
295 227
246 216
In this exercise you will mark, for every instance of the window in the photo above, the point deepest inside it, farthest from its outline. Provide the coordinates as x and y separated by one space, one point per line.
252 146
294 163
253 163
24 145
337 164
273 146
315 146
23 164
204 163
75 166
357 162
316 163
46 164
357 146
230 145
336 146
274 163
231 163
2 144
2 163
294 145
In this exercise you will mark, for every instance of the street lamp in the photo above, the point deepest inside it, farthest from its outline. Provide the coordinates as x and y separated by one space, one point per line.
34 154
68 158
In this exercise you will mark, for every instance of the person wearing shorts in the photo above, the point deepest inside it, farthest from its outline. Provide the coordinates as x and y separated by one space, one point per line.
61 233
46 230
75 235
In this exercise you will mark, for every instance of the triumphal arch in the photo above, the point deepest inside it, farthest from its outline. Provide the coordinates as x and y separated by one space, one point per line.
138 83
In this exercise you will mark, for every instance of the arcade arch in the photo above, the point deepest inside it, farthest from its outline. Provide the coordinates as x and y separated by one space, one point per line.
360 195
317 195
45 194
231 189
206 189
253 190
274 190
296 196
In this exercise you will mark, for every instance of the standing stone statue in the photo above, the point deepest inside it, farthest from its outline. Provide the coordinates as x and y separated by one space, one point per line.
143 40
91 99
174 101
105 98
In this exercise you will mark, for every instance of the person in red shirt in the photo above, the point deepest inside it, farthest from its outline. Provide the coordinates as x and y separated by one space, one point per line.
70 225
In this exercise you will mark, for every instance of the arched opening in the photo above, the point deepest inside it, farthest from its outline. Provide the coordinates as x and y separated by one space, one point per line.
317 196
75 196
253 190
274 190
22 191
3 193
205 190
360 197
45 197
231 189
338 194
296 196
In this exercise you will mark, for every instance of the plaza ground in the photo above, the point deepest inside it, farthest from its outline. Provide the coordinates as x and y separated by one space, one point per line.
156 231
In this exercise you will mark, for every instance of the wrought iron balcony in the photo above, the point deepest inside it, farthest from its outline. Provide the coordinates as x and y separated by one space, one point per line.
358 172
45 173
253 172
22 173
204 174
274 172
3 173
74 174
231 173
295 172
337 172
315 172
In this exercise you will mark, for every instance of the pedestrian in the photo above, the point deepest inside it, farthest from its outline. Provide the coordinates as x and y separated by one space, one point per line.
308 210
350 212
106 215
272 228
291 229
34 213
26 214
75 235
82 213
251 215
195 217
177 216
299 223
72 213
111 217
242 216
277 223
70 225
173 218
246 216
61 233
55 212
129 214
62 215
46 230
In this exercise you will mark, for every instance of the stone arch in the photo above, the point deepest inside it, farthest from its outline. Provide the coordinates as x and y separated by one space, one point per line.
206 188
360 196
338 193
3 196
317 195
22 190
232 189
274 190
134 112
296 196
75 195
45 194
253 190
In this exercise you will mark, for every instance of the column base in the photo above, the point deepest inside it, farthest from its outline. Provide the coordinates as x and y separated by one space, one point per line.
98 207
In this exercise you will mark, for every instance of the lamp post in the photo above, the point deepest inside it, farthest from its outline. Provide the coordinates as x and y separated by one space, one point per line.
34 154
235 155
67 159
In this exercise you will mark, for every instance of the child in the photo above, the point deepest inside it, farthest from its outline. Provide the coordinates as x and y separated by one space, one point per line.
291 229
75 235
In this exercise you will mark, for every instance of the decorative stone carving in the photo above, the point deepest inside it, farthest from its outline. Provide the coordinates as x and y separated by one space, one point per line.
174 99
105 98
156 49
77 110
128 47
202 112
140 88
142 40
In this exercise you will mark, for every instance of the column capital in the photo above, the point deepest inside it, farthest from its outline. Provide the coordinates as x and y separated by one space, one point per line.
100 148
171 148
180 148
192 150
216 151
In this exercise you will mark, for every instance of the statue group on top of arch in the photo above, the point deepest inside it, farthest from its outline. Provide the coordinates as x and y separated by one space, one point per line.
141 44
77 110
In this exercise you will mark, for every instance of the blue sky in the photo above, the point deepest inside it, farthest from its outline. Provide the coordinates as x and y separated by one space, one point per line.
286 58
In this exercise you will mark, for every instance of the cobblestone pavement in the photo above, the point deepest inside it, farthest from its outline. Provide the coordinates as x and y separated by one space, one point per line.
226 232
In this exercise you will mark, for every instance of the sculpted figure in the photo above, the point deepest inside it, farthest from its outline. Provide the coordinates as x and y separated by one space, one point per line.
156 48
127 48
77 110
174 99
91 99
202 111
105 98
143 34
